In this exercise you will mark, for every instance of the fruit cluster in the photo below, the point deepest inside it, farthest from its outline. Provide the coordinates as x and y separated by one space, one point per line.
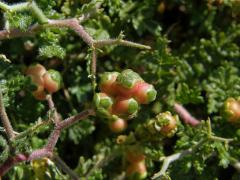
120 96
45 81
231 110
136 168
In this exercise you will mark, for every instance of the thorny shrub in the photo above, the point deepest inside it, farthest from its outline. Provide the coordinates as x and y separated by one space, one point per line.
120 89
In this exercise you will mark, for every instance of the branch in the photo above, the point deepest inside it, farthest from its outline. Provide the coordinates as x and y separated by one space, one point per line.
69 23
47 150
185 115
32 129
31 6
169 159
75 26
10 162
73 119
210 137
64 167
5 120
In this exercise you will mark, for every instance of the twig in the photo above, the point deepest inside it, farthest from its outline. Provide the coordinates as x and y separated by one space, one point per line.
210 137
107 42
32 129
5 120
31 6
64 167
169 159
47 150
53 109
73 119
3 130
215 138
10 162
97 165
94 62
65 23
185 115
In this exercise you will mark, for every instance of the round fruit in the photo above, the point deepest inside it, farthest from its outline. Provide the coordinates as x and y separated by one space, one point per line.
107 83
134 155
138 170
118 125
52 80
125 107
168 123
232 110
144 93
36 69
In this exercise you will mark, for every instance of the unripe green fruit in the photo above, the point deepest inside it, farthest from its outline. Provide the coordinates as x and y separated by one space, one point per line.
125 107
231 110
145 93
108 82
52 81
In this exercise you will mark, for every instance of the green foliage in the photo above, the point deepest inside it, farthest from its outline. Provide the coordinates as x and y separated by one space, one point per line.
194 60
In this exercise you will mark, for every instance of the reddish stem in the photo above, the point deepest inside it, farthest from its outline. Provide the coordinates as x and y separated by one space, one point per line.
10 162
185 115
47 150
